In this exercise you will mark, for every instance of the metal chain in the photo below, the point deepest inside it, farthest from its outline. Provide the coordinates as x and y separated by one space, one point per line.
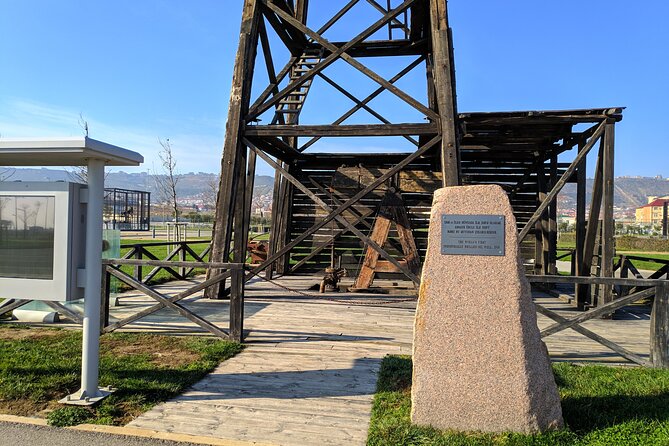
332 299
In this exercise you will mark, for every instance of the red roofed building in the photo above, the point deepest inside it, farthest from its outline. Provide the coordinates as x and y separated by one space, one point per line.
653 212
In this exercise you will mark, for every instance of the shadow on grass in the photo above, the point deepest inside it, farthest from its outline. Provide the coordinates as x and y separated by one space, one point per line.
610 404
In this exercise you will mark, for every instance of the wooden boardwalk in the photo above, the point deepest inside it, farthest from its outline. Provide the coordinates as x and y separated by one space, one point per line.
308 374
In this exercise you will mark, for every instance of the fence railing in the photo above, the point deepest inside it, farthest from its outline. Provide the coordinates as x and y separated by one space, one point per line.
180 250
112 268
640 289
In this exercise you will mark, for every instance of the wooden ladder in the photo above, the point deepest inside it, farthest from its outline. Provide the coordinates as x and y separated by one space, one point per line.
392 210
289 108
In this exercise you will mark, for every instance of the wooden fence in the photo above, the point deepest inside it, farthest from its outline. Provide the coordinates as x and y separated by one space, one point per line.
180 250
640 289
112 268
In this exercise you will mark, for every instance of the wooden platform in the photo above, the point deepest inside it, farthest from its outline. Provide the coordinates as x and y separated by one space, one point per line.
309 371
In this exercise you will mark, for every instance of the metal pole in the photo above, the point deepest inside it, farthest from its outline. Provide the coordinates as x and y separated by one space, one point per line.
90 354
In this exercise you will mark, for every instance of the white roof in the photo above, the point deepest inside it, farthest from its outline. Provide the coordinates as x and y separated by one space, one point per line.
63 152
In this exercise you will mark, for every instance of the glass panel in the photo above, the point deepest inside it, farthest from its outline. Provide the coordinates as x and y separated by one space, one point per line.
26 236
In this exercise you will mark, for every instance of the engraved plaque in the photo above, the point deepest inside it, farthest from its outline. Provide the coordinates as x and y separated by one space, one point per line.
472 235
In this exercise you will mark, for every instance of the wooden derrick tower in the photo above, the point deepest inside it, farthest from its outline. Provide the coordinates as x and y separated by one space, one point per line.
327 204
267 125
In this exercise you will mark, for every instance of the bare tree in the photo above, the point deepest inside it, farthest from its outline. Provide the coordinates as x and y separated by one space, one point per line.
166 182
79 174
211 192
6 173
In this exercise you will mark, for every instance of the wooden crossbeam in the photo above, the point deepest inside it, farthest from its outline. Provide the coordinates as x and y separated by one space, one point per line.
168 302
338 217
182 295
337 16
343 130
353 200
622 351
340 53
363 105
359 218
383 10
366 100
561 182
599 311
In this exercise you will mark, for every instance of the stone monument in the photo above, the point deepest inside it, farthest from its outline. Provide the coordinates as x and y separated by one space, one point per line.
478 360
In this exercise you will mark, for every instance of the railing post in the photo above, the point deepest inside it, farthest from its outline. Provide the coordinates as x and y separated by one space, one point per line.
182 257
659 327
104 304
138 268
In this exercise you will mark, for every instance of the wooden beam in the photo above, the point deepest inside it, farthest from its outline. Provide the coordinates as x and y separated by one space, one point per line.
338 217
353 200
561 182
591 230
608 225
442 71
239 101
341 53
581 184
627 354
599 311
659 327
342 130
365 101
363 105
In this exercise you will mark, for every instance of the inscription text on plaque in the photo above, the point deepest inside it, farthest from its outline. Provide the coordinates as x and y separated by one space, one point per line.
473 235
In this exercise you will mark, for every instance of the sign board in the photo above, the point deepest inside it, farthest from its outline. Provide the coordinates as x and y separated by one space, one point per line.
472 235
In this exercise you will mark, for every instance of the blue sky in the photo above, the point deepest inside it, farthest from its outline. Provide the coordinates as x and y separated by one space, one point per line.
142 70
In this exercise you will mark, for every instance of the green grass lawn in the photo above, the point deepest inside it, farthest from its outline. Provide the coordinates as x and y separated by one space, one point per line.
39 366
601 406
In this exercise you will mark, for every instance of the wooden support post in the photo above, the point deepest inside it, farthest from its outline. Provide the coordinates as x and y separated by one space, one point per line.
591 233
182 256
240 95
538 225
442 72
577 257
659 327
552 221
608 224
239 254
139 250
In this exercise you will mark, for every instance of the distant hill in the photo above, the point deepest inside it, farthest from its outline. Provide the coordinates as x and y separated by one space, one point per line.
629 192
189 185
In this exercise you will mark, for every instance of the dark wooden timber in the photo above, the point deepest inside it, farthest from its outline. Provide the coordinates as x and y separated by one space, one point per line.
240 96
329 200
608 225
581 181
659 327
442 71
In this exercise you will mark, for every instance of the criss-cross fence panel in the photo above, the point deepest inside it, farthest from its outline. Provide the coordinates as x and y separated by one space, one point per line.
112 267
180 250
645 288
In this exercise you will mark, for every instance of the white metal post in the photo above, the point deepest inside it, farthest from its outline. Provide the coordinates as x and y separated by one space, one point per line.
90 354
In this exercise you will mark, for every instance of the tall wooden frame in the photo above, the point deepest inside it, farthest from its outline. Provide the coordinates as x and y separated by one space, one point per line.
451 148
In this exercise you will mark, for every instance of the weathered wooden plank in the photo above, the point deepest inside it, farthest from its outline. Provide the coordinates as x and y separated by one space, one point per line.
342 130
659 327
